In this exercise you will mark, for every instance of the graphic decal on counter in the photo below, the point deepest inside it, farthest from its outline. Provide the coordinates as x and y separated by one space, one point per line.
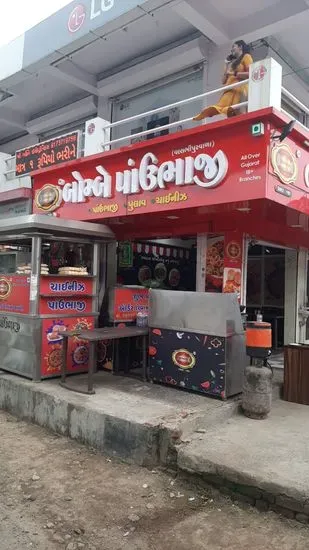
53 359
54 331
52 337
80 355
199 365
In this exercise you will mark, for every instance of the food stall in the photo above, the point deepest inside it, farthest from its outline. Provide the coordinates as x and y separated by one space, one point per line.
49 283
197 341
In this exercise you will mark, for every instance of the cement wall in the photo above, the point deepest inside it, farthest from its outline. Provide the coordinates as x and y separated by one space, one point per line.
132 440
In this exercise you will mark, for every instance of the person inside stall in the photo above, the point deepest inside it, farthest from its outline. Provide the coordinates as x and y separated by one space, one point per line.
237 66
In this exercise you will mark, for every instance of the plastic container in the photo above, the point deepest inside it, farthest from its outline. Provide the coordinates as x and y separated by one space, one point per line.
259 317
258 339
142 320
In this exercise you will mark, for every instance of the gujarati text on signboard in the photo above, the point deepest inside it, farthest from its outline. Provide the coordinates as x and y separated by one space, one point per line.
47 153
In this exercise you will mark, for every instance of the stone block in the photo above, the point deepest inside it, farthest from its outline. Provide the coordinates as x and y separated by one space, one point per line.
249 491
302 518
290 503
283 511
269 497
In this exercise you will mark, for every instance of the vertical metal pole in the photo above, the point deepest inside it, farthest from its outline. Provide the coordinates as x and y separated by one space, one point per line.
102 274
263 279
95 273
145 359
244 272
91 365
34 300
35 275
201 257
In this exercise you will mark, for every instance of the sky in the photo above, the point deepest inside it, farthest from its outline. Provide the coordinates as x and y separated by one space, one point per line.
19 16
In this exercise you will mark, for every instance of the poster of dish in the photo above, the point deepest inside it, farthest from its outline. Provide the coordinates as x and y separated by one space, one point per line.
78 350
214 264
232 274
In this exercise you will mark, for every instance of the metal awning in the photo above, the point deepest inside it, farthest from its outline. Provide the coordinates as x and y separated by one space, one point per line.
49 225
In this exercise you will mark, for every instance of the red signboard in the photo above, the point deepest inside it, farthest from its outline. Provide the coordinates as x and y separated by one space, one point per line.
47 153
128 302
288 179
65 286
195 168
78 350
65 305
14 293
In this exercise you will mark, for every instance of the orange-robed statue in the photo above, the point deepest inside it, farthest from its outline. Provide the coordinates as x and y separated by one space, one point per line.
236 69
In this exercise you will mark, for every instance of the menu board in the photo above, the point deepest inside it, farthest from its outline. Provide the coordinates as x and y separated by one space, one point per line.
47 153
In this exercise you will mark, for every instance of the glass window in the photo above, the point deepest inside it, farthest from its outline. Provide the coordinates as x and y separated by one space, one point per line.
15 258
156 97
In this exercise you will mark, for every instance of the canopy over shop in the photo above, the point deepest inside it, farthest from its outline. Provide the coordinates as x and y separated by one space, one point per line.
235 180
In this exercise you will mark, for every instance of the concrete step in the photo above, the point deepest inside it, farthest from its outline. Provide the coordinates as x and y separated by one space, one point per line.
140 423
264 463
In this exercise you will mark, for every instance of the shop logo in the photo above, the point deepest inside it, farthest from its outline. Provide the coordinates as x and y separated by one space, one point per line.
77 18
259 73
91 128
284 163
5 288
48 198
183 359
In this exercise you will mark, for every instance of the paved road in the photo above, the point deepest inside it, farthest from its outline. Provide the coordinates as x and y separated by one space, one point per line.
57 495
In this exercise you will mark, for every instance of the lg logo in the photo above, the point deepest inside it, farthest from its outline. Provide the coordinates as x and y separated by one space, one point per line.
259 73
99 6
77 18
79 14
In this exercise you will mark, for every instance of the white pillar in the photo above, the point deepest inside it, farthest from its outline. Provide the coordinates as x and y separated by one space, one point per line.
265 83
290 296
201 256
301 293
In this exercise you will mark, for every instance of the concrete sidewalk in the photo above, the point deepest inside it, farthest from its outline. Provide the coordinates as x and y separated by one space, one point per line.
265 463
